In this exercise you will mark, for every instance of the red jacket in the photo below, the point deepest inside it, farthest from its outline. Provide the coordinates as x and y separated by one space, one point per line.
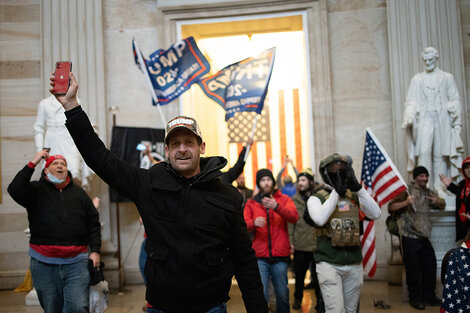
271 240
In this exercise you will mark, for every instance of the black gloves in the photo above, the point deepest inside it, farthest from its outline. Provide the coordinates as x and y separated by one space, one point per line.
341 182
344 179
351 179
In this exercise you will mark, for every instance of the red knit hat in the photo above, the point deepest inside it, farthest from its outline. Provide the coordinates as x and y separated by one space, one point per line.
54 157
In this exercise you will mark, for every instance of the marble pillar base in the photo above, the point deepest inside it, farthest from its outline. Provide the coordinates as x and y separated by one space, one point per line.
442 237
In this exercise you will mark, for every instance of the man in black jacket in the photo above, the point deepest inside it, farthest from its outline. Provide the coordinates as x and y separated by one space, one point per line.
64 224
196 235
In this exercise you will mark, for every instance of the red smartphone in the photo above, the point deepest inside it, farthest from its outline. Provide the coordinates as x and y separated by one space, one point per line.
62 77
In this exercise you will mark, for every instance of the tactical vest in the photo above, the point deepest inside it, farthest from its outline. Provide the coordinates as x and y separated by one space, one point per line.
343 225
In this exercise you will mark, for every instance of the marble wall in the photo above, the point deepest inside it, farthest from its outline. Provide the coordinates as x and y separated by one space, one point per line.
360 82
20 92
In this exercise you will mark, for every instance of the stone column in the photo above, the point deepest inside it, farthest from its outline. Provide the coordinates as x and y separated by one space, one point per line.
72 30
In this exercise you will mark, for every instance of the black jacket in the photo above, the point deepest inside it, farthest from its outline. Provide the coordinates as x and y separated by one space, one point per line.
235 171
461 228
196 235
63 218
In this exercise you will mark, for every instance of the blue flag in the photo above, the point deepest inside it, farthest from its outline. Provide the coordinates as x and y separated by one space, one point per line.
241 86
173 71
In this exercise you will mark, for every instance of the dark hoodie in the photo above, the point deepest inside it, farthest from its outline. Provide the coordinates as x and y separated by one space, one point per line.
196 235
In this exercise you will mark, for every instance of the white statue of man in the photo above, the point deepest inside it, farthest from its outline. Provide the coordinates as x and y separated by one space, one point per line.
50 132
433 122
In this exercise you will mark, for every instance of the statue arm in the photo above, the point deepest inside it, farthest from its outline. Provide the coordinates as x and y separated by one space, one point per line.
411 104
453 105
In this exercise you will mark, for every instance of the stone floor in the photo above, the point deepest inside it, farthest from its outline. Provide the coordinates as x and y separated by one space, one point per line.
131 300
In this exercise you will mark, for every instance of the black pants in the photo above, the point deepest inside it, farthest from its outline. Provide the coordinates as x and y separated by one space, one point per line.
302 262
420 265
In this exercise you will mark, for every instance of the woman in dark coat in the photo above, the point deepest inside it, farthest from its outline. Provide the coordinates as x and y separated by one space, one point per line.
462 199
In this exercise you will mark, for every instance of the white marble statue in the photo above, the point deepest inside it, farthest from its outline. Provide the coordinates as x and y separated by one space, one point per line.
50 132
432 121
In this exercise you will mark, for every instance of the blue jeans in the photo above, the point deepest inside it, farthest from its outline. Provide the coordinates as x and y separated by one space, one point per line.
62 288
221 308
278 273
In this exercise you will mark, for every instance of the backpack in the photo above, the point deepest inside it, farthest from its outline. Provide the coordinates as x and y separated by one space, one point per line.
392 223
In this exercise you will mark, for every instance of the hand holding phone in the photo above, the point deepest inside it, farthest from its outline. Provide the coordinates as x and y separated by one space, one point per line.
47 150
62 77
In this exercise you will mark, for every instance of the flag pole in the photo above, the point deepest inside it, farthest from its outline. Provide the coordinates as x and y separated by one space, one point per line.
143 67
252 135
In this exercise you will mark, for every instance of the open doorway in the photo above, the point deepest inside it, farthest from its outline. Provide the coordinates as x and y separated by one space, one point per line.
289 125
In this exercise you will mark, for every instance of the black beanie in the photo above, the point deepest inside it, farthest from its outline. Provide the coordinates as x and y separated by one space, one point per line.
307 175
419 170
262 173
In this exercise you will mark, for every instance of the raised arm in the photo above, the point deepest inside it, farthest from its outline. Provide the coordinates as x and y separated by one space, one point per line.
279 182
236 170
125 178
320 212
447 181
21 189
296 171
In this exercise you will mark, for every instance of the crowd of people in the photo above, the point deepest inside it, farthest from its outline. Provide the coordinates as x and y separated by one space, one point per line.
201 231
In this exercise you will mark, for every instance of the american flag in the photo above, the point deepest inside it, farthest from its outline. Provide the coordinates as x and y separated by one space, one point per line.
383 182
279 132
456 289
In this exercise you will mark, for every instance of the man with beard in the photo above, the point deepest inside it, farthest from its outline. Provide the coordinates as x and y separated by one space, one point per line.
301 240
196 235
335 214
246 192
267 215
414 227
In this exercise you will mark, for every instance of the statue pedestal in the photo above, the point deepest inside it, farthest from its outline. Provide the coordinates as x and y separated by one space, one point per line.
442 237
442 240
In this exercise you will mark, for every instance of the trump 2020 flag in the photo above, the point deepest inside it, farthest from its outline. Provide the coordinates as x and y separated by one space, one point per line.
173 71
383 182
241 86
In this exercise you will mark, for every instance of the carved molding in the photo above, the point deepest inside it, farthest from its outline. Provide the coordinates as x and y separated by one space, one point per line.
317 45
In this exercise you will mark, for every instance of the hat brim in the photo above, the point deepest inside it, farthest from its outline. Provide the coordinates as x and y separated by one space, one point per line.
167 136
